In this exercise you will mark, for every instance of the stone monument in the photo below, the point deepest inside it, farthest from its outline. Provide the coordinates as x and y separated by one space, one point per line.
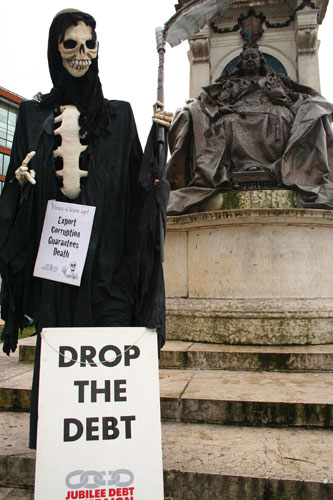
251 227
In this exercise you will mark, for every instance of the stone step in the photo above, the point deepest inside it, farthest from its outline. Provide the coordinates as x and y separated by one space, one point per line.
16 494
213 396
17 461
210 462
247 398
27 348
15 383
179 354
205 462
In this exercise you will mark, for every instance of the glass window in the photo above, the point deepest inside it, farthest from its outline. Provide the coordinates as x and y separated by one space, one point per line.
3 134
8 116
6 159
4 162
10 138
3 112
12 117
1 170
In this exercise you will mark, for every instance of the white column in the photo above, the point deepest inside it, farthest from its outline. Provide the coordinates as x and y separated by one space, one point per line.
307 47
199 62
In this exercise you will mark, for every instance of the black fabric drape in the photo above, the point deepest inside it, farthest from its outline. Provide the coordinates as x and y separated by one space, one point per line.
111 186
122 282
150 305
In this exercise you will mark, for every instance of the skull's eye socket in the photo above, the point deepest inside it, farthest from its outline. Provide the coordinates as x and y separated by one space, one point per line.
91 44
70 44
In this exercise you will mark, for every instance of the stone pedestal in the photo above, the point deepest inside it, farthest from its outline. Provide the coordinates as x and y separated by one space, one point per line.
250 276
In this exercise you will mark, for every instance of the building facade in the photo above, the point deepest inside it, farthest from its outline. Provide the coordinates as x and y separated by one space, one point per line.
9 103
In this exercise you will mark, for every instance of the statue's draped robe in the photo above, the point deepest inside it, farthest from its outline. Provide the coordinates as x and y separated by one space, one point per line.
236 126
122 281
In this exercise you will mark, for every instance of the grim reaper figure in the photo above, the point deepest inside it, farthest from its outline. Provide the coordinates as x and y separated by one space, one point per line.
253 120
73 145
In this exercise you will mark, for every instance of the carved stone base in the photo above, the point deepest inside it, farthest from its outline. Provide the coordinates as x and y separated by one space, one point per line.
255 179
258 198
251 276
251 322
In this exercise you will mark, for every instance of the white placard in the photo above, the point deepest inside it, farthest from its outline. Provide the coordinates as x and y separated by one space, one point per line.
99 430
64 242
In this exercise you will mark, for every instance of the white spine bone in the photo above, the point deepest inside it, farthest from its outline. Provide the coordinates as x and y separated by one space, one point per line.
70 151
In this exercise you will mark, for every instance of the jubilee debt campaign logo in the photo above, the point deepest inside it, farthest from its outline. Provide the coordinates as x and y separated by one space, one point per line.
109 485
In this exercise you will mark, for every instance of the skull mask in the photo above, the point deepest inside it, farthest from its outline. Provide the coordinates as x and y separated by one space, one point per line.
72 267
77 49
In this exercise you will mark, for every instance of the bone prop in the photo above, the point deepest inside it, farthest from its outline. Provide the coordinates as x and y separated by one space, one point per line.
70 151
23 174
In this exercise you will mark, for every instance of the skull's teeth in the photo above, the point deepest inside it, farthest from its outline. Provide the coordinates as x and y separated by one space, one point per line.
79 63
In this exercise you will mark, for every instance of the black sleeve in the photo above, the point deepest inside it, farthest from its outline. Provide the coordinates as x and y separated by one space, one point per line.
15 220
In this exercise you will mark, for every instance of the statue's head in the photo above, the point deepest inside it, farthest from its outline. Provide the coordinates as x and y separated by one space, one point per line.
72 44
251 60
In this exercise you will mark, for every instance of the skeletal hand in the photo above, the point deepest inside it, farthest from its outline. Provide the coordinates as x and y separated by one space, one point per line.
160 116
23 174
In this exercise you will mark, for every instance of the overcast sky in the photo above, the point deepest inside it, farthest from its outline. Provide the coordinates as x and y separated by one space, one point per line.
127 58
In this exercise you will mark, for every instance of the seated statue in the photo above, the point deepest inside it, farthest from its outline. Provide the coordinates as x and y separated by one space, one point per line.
253 120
